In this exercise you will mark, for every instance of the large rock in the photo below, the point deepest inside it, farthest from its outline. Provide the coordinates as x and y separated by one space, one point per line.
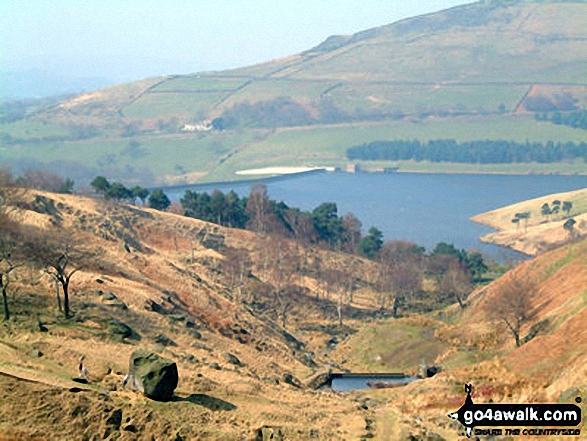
152 375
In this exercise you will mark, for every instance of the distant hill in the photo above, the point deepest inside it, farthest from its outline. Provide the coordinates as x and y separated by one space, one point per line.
494 62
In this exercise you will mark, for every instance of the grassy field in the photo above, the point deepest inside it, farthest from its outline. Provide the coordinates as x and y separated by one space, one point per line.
219 155
31 129
415 99
198 83
327 145
164 105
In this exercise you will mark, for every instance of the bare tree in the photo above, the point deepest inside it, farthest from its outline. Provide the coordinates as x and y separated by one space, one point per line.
351 235
235 264
7 265
341 283
58 260
282 268
406 278
456 282
259 209
511 303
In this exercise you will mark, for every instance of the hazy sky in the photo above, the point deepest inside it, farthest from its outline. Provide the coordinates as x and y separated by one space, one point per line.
124 40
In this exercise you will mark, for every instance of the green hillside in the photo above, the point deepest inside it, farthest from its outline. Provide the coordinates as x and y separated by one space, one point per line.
479 71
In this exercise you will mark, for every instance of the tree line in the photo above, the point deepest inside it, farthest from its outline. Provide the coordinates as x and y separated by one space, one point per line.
483 151
577 120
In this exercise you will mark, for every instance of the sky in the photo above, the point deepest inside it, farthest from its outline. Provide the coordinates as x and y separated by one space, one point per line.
124 40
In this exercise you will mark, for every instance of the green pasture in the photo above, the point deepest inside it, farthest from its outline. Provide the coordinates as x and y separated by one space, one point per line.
413 99
199 83
165 105
31 128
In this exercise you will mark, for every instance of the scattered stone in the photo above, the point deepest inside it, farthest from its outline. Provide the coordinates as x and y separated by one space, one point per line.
119 329
80 380
42 327
164 340
266 433
152 375
110 296
291 380
36 353
190 324
130 428
319 380
195 334
233 359
429 371
433 436
314 433
115 419
569 395
100 281
214 366
151 305
191 358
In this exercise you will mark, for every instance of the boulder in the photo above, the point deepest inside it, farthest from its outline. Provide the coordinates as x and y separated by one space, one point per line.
266 433
152 375
232 359
119 330
291 380
162 339
319 380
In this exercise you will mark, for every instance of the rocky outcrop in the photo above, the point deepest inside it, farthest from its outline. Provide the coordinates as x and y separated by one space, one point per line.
152 375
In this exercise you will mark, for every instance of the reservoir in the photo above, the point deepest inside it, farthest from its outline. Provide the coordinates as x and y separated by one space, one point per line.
422 208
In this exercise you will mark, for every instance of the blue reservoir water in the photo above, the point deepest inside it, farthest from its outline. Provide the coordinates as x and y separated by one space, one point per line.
345 384
422 208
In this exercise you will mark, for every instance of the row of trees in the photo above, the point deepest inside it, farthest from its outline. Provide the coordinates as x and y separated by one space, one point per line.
38 179
546 210
577 120
483 151
119 193
259 213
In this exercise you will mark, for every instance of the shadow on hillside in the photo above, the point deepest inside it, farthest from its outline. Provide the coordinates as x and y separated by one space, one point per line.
207 401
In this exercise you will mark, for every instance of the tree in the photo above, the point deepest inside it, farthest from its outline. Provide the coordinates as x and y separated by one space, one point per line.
140 193
327 223
456 282
476 264
545 210
567 207
7 261
351 236
448 249
406 278
58 259
219 207
523 216
259 209
100 184
235 265
371 244
569 227
159 200
118 192
282 266
341 283
218 124
511 303
67 186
